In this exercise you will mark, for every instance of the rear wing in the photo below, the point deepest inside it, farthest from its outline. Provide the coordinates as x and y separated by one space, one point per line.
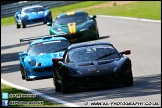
39 37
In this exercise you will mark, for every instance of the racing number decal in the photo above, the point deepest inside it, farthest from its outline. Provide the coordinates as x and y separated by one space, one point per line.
70 13
72 28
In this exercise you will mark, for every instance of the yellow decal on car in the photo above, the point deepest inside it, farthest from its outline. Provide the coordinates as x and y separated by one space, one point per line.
72 28
73 40
70 13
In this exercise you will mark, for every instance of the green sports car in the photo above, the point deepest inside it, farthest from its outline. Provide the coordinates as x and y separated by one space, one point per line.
76 26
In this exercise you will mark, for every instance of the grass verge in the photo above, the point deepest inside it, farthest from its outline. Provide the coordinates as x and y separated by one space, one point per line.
141 9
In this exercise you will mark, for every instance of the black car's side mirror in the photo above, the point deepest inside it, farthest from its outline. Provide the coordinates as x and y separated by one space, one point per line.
126 52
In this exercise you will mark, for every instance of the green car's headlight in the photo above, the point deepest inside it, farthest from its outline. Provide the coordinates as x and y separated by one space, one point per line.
86 27
58 30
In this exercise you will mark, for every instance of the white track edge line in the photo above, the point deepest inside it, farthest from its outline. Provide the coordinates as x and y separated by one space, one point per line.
39 94
139 19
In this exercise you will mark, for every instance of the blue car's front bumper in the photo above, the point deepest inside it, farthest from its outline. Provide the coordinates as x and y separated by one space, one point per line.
39 73
36 20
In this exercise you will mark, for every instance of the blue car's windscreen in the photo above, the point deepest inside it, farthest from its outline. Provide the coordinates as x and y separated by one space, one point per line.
47 47
78 18
34 9
90 53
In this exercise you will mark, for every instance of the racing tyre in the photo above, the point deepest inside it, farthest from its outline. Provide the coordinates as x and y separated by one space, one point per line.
23 25
128 80
22 72
57 86
64 87
18 26
97 36
25 74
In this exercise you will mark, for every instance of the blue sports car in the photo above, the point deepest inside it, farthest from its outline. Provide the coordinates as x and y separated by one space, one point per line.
31 15
35 62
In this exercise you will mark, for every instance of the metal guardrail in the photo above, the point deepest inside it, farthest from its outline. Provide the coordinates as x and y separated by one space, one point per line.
11 9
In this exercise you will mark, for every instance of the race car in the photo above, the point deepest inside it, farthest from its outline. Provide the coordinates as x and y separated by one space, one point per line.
91 65
35 62
31 15
77 26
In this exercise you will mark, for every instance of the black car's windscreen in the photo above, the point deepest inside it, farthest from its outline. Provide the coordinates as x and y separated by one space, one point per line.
48 47
78 18
90 53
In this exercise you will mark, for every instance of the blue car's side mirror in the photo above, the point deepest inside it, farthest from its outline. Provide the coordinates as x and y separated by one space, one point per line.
22 54
47 8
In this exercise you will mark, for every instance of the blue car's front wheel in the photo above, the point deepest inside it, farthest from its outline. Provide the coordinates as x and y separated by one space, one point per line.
23 25
18 26
22 72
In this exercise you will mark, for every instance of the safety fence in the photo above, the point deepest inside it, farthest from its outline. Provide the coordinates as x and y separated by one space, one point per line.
11 9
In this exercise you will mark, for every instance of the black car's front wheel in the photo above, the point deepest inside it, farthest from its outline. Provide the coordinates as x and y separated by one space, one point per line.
64 87
57 86
128 79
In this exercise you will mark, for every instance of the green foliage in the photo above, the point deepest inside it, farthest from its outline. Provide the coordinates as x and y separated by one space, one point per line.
141 9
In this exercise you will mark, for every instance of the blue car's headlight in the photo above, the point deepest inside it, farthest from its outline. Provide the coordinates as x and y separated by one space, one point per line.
25 16
86 27
32 62
46 13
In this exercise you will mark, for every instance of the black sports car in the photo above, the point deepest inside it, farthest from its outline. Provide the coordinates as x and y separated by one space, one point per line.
92 64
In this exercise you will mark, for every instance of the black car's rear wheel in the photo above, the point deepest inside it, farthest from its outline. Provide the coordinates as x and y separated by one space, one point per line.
128 79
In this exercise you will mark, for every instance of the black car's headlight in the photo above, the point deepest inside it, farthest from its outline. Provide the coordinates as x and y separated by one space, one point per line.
32 62
86 27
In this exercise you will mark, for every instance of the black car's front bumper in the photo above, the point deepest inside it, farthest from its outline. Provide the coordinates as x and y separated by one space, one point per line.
95 81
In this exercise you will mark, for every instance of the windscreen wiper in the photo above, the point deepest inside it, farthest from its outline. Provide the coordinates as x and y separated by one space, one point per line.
105 55
60 49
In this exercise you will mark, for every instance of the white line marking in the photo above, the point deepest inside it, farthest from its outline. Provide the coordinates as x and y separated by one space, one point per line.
139 19
39 94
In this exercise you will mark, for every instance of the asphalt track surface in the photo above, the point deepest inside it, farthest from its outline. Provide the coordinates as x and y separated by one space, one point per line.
143 38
